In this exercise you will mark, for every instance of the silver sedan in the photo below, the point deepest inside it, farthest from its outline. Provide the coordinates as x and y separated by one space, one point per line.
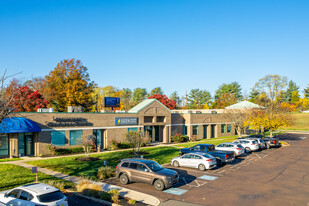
199 160
233 147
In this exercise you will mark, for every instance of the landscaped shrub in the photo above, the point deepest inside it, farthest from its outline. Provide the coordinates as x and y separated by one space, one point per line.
131 202
176 138
124 145
106 172
105 196
115 195
52 149
74 150
194 138
60 185
113 145
88 188
179 138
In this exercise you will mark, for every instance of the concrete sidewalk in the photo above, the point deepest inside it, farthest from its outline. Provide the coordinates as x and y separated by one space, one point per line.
124 192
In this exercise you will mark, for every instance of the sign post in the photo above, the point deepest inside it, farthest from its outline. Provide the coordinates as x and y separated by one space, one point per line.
35 170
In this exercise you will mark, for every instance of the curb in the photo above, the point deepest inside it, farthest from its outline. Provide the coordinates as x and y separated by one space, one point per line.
93 198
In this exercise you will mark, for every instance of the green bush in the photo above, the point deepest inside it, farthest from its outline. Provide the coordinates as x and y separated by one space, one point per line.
185 138
106 172
114 195
124 145
131 202
113 145
64 151
179 138
105 196
194 138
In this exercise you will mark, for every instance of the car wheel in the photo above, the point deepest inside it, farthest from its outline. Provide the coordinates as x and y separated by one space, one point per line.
248 150
159 185
267 146
201 167
176 163
124 179
219 162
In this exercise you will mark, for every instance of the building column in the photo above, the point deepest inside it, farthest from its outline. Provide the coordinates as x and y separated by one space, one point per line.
209 131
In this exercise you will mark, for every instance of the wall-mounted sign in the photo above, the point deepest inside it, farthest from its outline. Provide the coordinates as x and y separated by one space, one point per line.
126 121
68 122
111 101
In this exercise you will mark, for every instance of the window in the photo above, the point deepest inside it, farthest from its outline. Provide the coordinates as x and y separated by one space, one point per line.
148 119
229 128
141 167
133 165
161 119
185 130
197 157
195 129
4 146
187 156
223 128
58 138
14 193
132 129
125 164
24 195
74 136
51 197
196 148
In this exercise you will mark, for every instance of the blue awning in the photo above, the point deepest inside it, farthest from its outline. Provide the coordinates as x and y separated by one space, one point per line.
18 125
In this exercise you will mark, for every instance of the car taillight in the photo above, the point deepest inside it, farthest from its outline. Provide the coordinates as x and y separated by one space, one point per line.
226 156
260 144
116 167
208 160
238 148
274 142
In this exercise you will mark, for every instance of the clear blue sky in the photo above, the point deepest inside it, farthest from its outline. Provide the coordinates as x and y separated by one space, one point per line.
178 45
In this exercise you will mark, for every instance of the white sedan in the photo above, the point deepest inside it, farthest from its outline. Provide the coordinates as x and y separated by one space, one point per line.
199 160
34 194
249 144
233 147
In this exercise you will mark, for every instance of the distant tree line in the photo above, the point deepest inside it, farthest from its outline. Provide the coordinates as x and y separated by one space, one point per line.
69 84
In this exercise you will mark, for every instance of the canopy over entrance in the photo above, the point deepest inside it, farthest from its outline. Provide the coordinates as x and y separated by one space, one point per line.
18 125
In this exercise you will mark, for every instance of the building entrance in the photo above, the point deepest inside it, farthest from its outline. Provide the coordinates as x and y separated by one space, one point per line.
4 145
98 133
155 133
25 144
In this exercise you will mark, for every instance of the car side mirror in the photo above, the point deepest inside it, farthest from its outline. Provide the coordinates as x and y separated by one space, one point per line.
6 195
146 170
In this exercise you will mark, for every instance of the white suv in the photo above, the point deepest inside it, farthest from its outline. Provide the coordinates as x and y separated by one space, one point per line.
249 144
229 146
34 194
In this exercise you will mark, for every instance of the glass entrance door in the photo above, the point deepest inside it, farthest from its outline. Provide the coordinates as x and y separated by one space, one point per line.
25 144
99 137
213 127
205 131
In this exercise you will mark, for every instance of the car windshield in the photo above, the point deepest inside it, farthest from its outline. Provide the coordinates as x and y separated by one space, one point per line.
51 197
154 166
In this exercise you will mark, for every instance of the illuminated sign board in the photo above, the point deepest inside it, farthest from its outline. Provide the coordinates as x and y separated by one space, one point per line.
126 121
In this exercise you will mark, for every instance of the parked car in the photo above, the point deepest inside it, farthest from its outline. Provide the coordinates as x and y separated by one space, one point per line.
199 160
146 171
221 156
249 144
34 195
261 143
233 147
271 142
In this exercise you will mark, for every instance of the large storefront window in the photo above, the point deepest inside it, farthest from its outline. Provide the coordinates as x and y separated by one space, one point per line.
185 130
58 138
195 129
4 145
223 128
74 136
229 128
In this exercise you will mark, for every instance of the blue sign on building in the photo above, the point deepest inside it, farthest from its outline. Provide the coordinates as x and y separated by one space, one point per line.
111 101
126 121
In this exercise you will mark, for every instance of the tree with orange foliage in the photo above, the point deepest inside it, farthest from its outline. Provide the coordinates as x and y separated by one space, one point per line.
225 100
71 85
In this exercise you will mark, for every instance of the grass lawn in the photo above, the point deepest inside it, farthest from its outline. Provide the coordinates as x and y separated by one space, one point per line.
9 159
13 176
68 165
163 155
214 141
301 122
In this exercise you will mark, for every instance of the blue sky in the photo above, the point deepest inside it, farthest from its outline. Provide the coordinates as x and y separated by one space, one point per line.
176 44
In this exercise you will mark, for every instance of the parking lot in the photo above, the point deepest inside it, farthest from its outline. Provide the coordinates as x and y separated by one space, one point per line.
271 175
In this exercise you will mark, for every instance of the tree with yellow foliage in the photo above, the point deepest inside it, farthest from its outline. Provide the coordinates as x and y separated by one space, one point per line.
71 85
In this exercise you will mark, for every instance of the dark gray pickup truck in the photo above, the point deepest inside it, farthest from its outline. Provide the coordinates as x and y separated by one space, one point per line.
221 156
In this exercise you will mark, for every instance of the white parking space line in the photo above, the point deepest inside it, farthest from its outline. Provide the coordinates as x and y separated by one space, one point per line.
258 156
221 171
